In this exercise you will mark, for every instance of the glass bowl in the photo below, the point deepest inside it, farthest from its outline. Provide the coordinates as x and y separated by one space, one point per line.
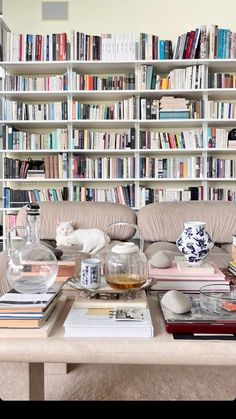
214 299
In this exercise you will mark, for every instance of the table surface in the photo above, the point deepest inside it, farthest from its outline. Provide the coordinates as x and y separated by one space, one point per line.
161 349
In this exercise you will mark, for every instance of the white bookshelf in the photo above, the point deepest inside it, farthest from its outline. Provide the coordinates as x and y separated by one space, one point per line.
112 68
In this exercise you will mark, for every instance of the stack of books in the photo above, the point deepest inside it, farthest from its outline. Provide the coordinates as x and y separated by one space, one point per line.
174 108
28 311
109 315
232 267
185 278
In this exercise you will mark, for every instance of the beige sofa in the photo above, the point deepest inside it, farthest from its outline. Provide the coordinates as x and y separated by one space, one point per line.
83 215
162 223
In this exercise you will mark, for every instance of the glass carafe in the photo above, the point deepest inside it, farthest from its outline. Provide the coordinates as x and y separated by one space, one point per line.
126 264
31 266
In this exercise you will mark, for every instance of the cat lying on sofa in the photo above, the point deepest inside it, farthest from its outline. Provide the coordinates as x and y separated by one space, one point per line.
91 239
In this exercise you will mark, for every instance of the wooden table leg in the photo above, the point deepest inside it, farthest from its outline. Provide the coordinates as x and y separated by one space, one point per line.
22 381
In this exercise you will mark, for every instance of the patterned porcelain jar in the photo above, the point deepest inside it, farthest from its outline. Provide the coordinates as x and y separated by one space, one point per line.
195 243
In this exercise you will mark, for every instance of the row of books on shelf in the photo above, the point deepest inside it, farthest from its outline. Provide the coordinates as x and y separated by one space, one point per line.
202 42
94 140
52 166
96 82
123 194
174 168
121 110
15 198
221 110
20 111
56 166
87 139
15 139
220 168
188 78
103 167
20 83
167 108
156 140
191 77
149 195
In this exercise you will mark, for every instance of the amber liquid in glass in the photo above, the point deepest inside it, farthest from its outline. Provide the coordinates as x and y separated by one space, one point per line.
123 281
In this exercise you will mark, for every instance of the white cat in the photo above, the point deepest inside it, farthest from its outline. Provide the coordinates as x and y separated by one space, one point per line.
92 239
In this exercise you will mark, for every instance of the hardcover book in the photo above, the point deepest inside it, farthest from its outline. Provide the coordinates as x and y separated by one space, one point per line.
110 300
37 332
105 322
206 268
174 273
198 320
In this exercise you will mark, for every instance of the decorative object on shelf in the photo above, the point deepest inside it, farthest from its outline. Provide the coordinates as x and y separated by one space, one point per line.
194 242
126 264
161 260
31 267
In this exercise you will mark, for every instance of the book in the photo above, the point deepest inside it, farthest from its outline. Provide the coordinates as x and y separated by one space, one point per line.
105 322
198 320
66 268
206 268
186 285
20 322
205 336
110 300
173 273
43 331
27 312
15 302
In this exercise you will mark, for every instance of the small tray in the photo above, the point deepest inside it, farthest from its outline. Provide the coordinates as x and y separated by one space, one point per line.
103 289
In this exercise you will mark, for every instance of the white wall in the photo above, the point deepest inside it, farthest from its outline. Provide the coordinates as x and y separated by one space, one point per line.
166 19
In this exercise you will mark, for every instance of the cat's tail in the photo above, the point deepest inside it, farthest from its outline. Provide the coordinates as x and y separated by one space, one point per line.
99 247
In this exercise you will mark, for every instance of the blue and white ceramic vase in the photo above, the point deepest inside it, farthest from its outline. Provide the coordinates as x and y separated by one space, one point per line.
195 242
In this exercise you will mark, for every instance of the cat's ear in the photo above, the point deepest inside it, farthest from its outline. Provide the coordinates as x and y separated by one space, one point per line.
58 223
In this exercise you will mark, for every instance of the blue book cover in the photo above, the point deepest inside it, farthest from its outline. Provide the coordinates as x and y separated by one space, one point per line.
161 49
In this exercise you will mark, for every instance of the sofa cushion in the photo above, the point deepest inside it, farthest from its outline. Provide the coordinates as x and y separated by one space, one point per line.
164 221
83 215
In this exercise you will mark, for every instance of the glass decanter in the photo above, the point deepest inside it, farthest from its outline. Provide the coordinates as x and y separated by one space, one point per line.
31 266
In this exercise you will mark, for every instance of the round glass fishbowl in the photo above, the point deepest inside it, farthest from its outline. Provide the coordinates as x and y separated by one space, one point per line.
31 266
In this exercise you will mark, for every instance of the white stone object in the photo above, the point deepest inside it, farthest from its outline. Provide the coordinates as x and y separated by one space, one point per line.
177 302
161 260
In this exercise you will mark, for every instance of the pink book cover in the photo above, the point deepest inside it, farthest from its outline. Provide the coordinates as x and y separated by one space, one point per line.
174 273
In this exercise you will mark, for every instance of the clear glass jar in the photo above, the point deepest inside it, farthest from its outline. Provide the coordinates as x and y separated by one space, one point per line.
31 266
126 264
